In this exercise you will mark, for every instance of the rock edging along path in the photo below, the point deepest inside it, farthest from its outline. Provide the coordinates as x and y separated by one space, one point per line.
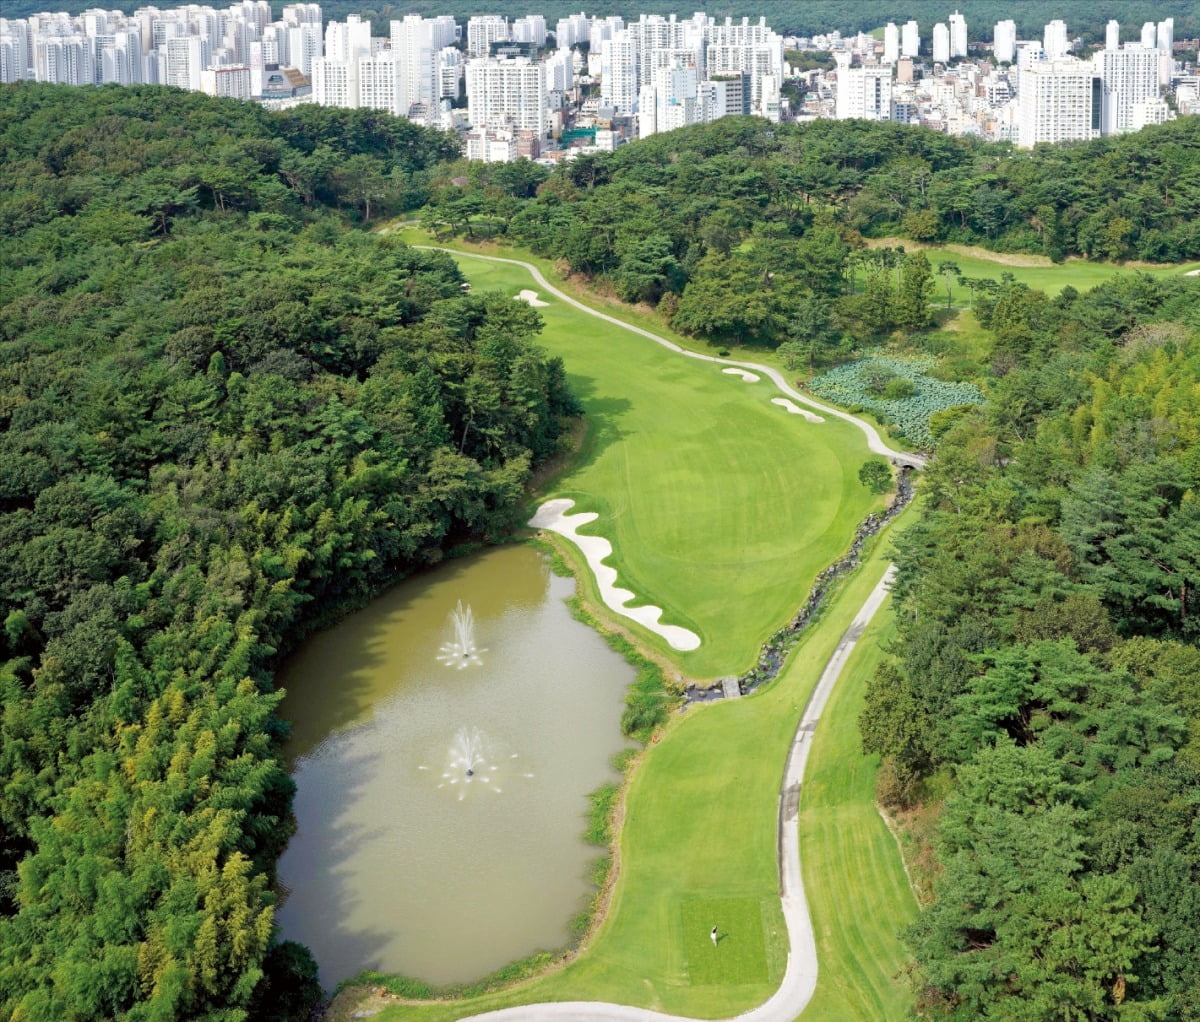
874 440
800 976
553 515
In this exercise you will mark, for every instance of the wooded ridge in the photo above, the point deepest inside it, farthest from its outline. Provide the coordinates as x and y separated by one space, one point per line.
224 418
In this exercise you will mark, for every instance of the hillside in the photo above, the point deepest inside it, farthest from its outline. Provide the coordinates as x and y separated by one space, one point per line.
225 416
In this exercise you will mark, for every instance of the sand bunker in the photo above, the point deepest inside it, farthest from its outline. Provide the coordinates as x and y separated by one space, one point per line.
795 409
531 298
553 515
1192 273
747 376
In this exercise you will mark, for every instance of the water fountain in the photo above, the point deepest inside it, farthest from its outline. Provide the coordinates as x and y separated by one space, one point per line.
461 651
472 760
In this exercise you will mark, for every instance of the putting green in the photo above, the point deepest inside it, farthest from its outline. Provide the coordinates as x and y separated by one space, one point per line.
721 507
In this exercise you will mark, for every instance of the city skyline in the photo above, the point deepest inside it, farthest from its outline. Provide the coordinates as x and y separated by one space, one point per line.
518 87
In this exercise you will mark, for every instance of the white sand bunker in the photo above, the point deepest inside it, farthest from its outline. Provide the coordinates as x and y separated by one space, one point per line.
747 376
531 298
553 515
795 409
1192 273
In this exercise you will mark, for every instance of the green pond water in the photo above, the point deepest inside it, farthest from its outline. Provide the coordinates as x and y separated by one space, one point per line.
402 862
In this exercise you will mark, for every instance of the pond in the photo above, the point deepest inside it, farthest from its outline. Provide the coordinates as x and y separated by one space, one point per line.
441 797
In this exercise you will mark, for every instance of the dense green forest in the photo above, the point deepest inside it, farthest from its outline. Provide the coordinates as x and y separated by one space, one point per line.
225 416
1045 698
1085 19
747 232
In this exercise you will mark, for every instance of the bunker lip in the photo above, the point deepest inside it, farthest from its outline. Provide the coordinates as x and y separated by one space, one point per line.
553 515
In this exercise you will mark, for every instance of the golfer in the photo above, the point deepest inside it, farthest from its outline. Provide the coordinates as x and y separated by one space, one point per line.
713 935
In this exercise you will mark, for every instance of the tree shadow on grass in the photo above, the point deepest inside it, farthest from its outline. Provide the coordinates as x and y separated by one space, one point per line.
603 415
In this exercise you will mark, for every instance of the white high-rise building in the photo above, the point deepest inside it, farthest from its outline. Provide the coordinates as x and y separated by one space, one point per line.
941 44
910 40
1149 33
1056 102
530 29
1131 89
448 72
1112 35
233 81
1165 41
863 92
304 45
1055 41
119 58
15 63
335 82
559 68
378 87
958 35
64 60
416 44
483 30
507 93
1004 42
256 12
619 72
891 43
302 14
572 31
348 40
673 95
1165 36
186 57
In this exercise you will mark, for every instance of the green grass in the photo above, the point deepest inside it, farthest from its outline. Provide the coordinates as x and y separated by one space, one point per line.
697 845
1049 277
858 893
739 955
721 507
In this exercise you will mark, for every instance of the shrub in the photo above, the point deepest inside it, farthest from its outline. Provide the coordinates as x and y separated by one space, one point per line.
899 388
851 386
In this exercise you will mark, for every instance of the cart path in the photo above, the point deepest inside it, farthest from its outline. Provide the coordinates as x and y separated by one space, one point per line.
874 440
800 977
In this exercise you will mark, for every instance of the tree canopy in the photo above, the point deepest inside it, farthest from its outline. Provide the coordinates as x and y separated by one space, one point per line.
224 418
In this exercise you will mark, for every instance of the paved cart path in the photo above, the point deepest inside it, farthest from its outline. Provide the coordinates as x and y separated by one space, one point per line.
800 976
874 440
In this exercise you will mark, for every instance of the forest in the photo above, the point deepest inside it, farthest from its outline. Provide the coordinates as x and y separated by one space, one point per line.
225 417
1042 711
742 231
228 414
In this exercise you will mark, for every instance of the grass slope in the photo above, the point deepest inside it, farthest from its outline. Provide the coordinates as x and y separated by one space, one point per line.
857 889
720 506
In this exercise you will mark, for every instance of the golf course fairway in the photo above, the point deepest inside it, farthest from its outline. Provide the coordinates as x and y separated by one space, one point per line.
720 506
